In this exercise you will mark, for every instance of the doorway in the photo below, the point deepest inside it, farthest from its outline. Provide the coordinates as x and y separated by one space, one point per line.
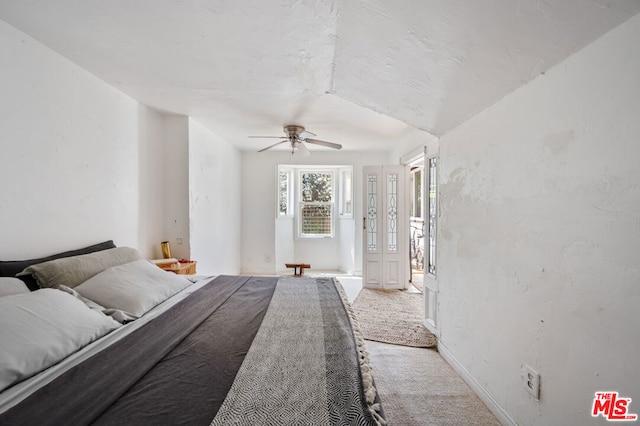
422 201
417 223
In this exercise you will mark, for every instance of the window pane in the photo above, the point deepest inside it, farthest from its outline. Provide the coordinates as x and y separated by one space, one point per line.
316 187
284 193
416 192
346 189
316 219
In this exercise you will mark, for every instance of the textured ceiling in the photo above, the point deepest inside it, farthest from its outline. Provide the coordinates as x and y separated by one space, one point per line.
364 73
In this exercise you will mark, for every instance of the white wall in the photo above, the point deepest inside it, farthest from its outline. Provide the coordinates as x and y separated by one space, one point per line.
412 144
151 166
175 182
540 236
215 204
259 172
76 156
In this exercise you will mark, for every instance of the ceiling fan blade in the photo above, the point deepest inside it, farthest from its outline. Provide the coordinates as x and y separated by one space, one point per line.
304 134
271 146
268 137
303 150
324 143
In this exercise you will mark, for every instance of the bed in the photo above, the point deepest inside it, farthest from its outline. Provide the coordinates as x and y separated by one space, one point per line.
101 336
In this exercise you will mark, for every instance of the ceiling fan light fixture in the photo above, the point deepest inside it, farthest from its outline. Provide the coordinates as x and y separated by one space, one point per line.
293 130
296 135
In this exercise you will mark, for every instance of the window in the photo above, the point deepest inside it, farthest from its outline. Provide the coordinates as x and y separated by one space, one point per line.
346 192
285 192
314 196
416 192
315 219
431 259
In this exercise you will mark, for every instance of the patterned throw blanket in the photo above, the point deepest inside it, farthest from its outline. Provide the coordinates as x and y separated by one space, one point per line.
305 365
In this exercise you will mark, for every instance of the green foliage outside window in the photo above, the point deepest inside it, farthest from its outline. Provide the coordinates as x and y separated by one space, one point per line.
317 187
283 187
316 190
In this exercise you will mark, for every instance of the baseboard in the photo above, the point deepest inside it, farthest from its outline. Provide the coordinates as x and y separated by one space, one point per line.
482 393
429 325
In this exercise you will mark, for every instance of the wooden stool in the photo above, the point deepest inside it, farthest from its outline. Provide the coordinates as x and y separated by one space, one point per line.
298 268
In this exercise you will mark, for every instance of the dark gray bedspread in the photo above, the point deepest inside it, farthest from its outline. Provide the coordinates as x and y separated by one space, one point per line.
188 386
174 370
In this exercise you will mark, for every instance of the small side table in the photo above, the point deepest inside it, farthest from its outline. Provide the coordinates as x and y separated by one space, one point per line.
298 268
184 268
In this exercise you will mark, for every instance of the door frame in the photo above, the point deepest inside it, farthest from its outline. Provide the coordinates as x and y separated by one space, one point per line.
430 280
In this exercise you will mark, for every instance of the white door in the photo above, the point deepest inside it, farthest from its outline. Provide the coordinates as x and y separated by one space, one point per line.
430 282
385 253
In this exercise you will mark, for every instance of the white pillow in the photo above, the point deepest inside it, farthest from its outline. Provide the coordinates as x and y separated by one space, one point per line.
11 285
116 314
41 328
134 287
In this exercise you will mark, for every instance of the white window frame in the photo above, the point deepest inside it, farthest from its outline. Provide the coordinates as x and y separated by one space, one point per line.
417 223
302 235
416 203
346 192
290 192
298 191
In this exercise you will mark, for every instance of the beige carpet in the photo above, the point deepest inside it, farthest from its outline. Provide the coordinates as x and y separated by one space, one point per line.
418 387
393 316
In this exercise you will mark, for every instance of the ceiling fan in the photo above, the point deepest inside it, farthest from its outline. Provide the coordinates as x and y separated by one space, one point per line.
297 136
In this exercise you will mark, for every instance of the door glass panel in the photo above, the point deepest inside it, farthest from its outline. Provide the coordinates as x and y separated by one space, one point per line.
372 213
392 212
432 215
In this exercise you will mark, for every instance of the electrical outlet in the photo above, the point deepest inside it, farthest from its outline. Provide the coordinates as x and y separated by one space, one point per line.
531 381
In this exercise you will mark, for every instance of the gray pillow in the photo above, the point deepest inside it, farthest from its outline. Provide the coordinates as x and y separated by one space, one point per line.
9 268
10 285
133 288
74 270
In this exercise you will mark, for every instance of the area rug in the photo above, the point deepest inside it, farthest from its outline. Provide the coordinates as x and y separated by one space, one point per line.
418 387
393 316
